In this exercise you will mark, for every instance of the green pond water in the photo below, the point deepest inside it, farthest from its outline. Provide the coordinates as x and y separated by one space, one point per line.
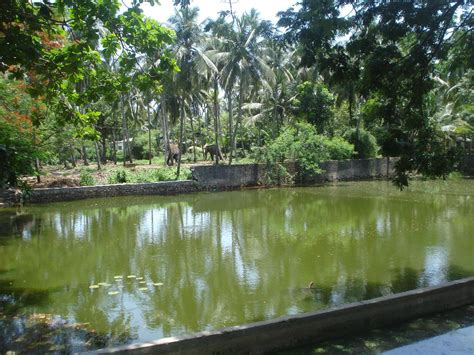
81 275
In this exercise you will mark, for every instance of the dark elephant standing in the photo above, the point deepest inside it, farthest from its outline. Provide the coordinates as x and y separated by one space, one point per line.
212 150
173 154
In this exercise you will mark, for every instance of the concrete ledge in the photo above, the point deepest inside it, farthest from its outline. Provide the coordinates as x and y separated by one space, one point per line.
307 328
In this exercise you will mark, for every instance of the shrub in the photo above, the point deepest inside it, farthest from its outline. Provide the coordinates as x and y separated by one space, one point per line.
119 176
147 175
300 144
140 146
139 151
365 143
86 178
338 148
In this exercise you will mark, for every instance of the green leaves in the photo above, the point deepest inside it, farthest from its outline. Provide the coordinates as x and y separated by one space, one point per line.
391 54
314 104
66 71
301 144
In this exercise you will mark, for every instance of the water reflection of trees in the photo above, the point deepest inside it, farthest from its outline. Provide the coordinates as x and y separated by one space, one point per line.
235 257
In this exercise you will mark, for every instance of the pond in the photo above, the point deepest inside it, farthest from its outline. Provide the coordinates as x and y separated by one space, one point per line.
81 275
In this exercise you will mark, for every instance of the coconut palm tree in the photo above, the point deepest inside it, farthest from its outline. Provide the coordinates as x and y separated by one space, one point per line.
274 101
194 64
238 52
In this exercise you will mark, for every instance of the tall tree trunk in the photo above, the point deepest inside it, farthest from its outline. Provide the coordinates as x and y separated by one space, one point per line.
37 168
114 147
165 130
84 155
239 120
149 133
276 118
194 137
104 151
73 156
216 118
180 140
97 155
37 162
230 133
126 145
351 103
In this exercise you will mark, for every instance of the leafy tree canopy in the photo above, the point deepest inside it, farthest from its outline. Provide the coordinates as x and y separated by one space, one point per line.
395 45
314 104
58 47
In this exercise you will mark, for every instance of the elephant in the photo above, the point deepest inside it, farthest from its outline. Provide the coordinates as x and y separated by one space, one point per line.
213 150
173 154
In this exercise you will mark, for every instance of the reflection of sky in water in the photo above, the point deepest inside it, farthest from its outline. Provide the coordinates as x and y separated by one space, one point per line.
339 291
226 237
436 266
383 225
152 225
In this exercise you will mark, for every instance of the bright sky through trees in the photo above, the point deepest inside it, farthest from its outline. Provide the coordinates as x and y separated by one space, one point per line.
268 9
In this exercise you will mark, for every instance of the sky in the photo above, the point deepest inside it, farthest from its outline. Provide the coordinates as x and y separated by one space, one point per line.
268 9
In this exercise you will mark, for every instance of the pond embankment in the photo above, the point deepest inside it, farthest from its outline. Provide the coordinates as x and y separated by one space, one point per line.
225 177
220 177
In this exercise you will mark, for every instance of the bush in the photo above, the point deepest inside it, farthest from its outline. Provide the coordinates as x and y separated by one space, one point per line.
86 178
338 148
365 143
119 176
300 144
140 146
147 175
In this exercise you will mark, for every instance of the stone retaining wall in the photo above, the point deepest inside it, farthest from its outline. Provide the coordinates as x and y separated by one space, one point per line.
221 177
360 169
228 175
78 193
293 331
225 177
333 170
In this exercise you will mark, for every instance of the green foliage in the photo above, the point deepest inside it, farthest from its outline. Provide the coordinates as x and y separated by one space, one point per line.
120 176
300 144
391 53
140 150
314 104
26 190
140 146
17 144
364 142
69 73
339 149
86 178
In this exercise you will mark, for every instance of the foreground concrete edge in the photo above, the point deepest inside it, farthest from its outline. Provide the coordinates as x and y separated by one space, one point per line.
307 328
